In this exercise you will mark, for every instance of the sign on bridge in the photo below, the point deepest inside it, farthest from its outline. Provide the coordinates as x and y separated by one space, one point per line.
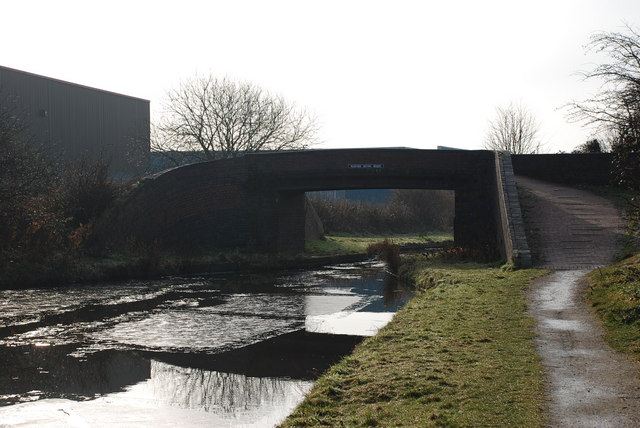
366 165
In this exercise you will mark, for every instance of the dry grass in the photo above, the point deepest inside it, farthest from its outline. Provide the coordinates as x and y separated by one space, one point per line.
615 294
348 244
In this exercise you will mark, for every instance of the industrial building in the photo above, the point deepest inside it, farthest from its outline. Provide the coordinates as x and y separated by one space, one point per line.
78 122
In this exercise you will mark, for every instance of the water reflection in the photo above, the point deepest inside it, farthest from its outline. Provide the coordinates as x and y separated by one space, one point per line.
173 396
346 322
209 351
372 305
228 396
44 372
297 355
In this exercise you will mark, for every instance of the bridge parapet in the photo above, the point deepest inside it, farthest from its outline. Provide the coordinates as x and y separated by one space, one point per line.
514 240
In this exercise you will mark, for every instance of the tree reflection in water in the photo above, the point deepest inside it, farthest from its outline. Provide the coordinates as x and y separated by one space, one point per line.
216 392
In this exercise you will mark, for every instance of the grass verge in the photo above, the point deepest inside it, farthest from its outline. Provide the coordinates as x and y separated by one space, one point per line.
615 289
351 244
459 354
615 295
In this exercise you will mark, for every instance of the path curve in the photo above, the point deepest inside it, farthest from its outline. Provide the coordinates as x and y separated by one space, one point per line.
588 384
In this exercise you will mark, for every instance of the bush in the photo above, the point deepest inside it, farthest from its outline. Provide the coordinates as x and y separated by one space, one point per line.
591 146
388 252
47 208
88 191
431 209
408 211
31 223
626 165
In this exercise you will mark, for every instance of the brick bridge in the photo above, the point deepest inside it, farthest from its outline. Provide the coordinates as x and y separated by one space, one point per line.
258 201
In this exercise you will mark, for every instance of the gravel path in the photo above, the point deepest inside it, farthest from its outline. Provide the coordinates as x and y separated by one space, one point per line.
588 384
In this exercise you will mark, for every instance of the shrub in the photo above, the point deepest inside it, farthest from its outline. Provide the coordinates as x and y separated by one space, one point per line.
31 223
591 146
88 191
388 252
47 208
407 211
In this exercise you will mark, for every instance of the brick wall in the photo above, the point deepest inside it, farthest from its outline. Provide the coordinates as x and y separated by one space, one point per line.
257 201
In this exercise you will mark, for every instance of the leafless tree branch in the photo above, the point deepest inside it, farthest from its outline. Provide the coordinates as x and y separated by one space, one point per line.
616 107
514 130
221 118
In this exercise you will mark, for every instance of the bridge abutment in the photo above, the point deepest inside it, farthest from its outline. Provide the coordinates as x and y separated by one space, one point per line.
475 220
291 222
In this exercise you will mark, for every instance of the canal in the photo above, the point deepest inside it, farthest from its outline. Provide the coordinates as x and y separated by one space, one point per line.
222 351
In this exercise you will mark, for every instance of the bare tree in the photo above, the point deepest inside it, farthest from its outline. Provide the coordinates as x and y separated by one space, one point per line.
514 130
220 118
616 107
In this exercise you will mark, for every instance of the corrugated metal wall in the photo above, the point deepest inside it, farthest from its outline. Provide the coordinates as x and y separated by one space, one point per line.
80 122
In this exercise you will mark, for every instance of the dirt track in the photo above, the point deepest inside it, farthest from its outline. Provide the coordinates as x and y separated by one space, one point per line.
588 384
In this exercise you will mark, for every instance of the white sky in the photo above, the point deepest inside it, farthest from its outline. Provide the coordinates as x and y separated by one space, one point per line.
375 73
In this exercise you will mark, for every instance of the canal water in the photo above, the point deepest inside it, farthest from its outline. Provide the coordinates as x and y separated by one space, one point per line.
235 351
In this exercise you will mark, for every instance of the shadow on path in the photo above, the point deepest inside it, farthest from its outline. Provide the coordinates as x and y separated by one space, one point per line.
569 228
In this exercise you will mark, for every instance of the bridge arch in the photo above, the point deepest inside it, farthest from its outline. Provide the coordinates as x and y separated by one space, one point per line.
257 200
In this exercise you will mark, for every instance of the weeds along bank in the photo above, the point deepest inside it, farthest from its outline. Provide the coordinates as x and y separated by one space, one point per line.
406 211
615 295
614 291
459 354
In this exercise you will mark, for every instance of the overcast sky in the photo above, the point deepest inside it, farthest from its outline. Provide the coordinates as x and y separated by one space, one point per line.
375 73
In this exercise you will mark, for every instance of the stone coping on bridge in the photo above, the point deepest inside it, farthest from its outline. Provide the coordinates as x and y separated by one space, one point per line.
513 231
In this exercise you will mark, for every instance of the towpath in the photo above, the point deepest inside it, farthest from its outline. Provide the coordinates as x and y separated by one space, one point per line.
573 231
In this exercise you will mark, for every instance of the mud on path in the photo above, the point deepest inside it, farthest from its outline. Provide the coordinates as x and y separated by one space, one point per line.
588 384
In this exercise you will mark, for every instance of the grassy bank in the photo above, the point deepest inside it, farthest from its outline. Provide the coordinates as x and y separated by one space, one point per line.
349 244
77 269
615 295
615 289
459 354
146 262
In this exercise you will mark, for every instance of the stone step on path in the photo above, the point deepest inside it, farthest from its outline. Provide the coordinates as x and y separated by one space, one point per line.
568 228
